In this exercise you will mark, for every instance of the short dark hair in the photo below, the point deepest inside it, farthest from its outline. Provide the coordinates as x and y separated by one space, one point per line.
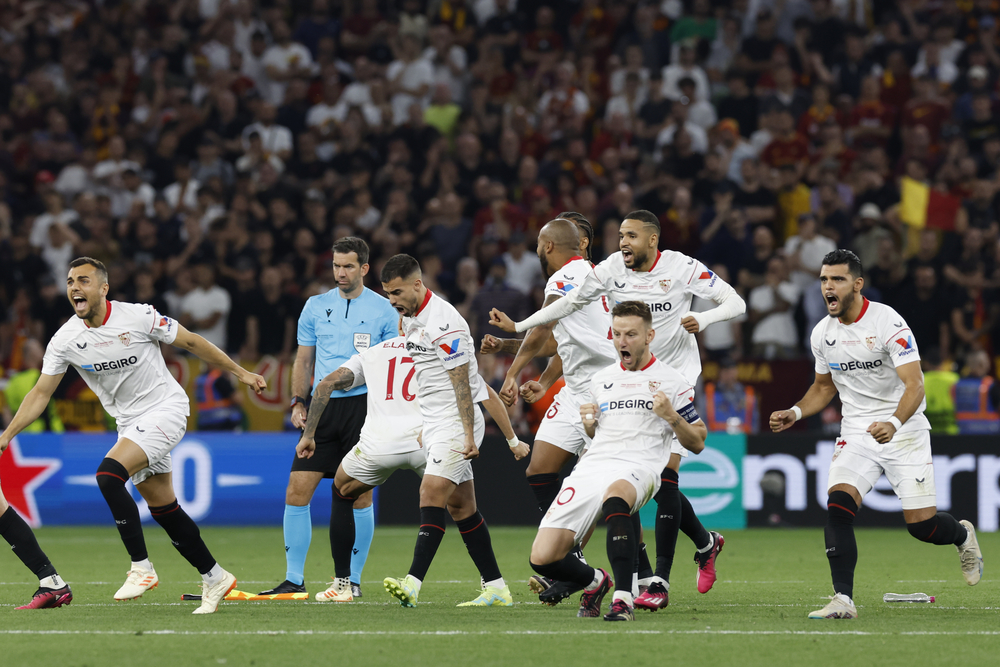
844 256
633 309
647 218
102 270
583 225
399 266
352 244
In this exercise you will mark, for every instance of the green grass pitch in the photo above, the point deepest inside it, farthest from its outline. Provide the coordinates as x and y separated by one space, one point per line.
756 614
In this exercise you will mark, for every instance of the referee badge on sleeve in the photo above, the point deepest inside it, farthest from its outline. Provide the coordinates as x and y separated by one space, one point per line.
362 341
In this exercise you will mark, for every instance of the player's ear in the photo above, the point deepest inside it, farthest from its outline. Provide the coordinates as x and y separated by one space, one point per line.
859 284
650 335
364 269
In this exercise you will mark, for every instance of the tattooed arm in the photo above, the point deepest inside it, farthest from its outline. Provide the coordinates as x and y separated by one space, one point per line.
466 408
340 379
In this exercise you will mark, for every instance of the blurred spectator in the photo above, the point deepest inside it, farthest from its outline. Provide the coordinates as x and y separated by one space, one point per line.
974 409
805 252
939 390
205 308
728 405
23 381
722 342
524 271
772 306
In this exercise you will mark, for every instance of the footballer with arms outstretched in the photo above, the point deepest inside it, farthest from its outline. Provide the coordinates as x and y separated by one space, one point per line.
389 441
637 407
449 386
866 352
115 346
666 281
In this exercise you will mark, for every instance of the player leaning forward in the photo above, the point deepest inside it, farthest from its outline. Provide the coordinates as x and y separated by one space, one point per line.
449 386
866 352
116 348
637 408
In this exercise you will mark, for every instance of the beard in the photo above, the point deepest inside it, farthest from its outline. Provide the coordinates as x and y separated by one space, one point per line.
544 261
845 305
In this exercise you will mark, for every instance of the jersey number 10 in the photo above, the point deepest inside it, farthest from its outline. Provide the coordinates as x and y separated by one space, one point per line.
407 396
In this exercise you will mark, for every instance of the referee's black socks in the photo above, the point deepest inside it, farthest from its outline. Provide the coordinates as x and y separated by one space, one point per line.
111 478
342 534
841 546
184 534
476 536
22 541
428 539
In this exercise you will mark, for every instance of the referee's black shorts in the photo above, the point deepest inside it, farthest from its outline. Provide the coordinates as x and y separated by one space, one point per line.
339 430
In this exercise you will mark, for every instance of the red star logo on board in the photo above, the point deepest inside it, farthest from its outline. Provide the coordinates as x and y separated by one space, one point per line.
20 476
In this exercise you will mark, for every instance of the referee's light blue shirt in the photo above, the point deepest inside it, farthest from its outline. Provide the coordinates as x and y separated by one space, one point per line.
339 328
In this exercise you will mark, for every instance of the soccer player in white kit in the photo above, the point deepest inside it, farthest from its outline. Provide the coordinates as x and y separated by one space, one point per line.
390 441
449 386
116 348
666 281
637 407
866 352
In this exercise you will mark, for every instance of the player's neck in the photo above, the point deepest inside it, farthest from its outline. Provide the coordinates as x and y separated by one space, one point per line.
562 260
353 294
649 263
99 316
854 312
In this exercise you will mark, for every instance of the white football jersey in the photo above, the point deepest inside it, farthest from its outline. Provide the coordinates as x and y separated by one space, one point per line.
583 338
667 288
393 421
438 340
628 427
863 357
120 360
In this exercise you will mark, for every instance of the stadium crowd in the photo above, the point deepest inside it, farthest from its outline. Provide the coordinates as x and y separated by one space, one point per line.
209 152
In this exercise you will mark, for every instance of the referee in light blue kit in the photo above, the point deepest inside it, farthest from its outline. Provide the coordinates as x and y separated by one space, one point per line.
332 328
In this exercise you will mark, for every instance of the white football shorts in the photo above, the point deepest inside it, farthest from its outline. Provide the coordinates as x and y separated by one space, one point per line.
443 445
562 425
578 505
366 465
859 460
157 432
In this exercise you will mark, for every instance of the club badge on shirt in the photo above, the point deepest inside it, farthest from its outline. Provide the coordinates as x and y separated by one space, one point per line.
362 341
665 285
125 338
870 342
653 386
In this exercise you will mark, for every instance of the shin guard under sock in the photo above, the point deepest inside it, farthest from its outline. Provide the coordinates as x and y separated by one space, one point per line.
22 542
342 534
545 487
184 535
841 546
621 541
668 521
476 536
111 478
428 539
942 528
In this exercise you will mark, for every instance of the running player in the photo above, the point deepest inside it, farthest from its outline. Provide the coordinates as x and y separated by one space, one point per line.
866 352
666 281
449 385
389 441
115 346
637 407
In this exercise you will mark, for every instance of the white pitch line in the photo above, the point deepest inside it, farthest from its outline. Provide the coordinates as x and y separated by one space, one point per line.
448 633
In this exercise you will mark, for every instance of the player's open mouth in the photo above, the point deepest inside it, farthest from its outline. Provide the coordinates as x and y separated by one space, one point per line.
626 356
626 254
831 301
79 302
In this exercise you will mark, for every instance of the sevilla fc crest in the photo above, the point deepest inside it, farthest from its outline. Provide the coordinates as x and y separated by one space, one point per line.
870 342
653 386
665 285
125 338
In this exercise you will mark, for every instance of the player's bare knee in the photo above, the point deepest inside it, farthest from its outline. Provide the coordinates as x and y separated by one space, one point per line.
362 494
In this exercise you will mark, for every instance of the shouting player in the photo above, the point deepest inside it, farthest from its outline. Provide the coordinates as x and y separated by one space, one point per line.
115 346
637 407
666 281
449 385
865 352
389 441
